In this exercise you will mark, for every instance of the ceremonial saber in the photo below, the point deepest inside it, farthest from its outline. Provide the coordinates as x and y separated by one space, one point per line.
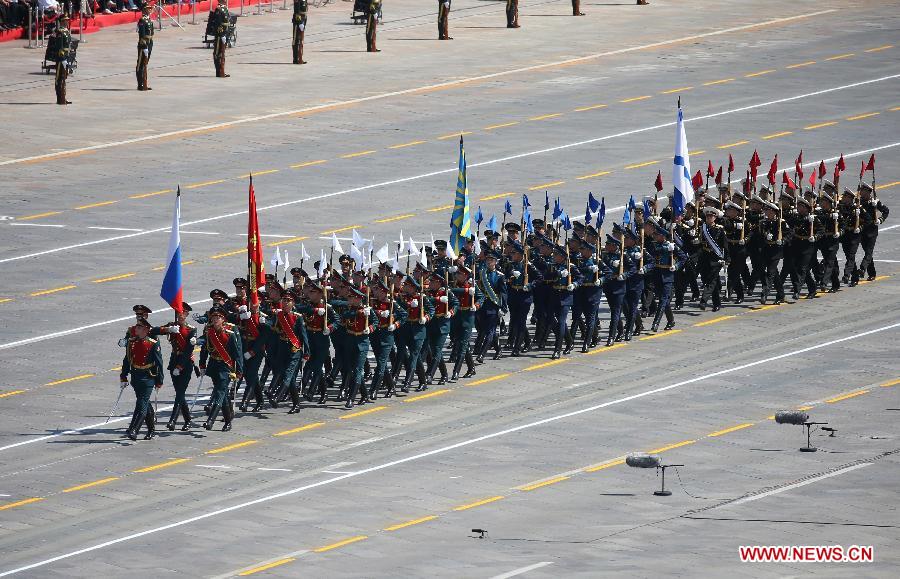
197 393
155 404
116 405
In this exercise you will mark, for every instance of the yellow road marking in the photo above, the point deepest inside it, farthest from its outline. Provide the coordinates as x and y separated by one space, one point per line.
605 349
229 253
879 48
443 137
639 165
545 483
162 267
204 184
52 291
299 429
100 204
713 321
776 135
760 73
634 99
102 481
231 447
799 64
11 393
143 195
4 300
115 277
545 364
363 412
891 383
545 117
671 446
20 503
682 89
308 164
161 465
546 185
286 241
258 173
863 116
841 56
737 144
732 429
397 218
38 215
409 144
497 196
341 230
881 277
399 526
424 396
768 307
895 183
72 379
340 544
359 154
605 465
115 368
267 566
501 125
491 379
441 208
589 108
592 175
714 82
804 408
660 335
820 125
478 503
846 396
692 153
895 109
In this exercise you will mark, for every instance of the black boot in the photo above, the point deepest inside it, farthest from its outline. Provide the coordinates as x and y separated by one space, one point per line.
170 425
131 431
211 419
470 366
569 341
151 424
457 366
442 366
228 415
186 413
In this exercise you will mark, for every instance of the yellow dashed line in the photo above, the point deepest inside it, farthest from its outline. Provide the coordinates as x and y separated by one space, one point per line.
729 145
545 364
102 481
161 465
714 82
267 566
885 186
497 196
671 446
286 241
713 321
732 429
767 307
799 64
660 335
229 253
639 165
299 429
891 383
428 395
635 99
20 503
364 412
546 185
545 483
72 379
92 205
804 408
880 48
692 153
596 351
841 56
682 89
11 393
397 218
258 173
399 526
162 267
760 73
359 154
895 109
589 108
846 396
604 465
545 117
409 144
820 125
308 164
491 379
38 215
592 175
341 230
4 300
115 277
863 116
441 208
231 447
204 184
454 135
52 291
776 135
340 544
478 503
501 125
154 193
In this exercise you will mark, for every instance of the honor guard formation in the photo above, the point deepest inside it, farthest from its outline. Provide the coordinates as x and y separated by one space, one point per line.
531 286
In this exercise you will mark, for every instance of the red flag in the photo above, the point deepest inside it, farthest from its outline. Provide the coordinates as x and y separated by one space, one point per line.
709 170
812 179
658 184
255 263
773 169
837 176
870 166
754 160
841 164
719 176
697 181
822 170
799 160
747 184
862 169
730 163
798 169
788 181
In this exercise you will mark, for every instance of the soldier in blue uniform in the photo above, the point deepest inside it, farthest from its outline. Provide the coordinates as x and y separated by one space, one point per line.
492 284
221 348
637 263
143 364
565 278
521 277
614 284
588 294
668 258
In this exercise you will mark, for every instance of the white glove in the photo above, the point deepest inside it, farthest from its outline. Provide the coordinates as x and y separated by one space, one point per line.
615 263
879 221
570 287
248 355
594 269
471 291
223 39
835 215
453 269
856 211
811 218
193 341
326 331
367 331
447 5
422 321
769 237
146 52
302 27
392 327
721 262
173 330
414 303
320 311
385 313
448 315
779 242
563 273
516 274
672 268
444 299
670 246
738 226
244 315
836 235
366 311
812 238
856 230
620 277
689 222
123 384
176 372
242 309
123 342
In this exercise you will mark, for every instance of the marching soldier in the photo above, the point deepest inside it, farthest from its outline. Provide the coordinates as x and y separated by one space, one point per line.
637 264
668 258
775 234
492 284
372 25
807 229
512 13
143 363
182 337
688 230
873 213
359 322
737 275
221 25
299 28
521 276
829 242
141 312
851 216
713 255
420 309
445 307
254 336
391 315
755 242
470 299
221 348
290 345
565 277
588 295
60 44
145 47
613 284
444 20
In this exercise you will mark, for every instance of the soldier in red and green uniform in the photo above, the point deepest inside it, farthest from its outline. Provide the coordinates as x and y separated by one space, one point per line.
254 338
391 315
289 343
469 297
143 364
318 317
445 307
182 337
420 308
222 349
359 321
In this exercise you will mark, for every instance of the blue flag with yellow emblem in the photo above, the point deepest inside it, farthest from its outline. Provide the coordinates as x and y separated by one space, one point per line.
459 221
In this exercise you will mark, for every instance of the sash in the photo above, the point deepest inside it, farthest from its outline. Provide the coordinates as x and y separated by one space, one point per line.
712 243
252 326
486 286
179 341
221 349
287 329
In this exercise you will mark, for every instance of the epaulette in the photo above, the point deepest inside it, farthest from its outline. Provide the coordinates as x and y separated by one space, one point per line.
151 340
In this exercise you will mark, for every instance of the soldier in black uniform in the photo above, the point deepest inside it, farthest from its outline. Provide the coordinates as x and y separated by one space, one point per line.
576 8
829 242
145 47
807 229
872 214
775 234
372 25
512 13
735 235
299 27
60 44
221 24
444 20
851 217
713 255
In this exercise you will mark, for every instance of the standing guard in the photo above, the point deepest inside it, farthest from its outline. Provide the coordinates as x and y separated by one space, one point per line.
145 47
60 44
222 349
512 13
143 362
444 20
576 9
372 25
299 27
221 25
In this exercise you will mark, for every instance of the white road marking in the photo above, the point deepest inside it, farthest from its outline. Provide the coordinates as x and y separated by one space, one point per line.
887 261
276 469
437 451
454 169
337 471
224 466
200 232
799 484
36 225
114 228
889 227
522 570
392 94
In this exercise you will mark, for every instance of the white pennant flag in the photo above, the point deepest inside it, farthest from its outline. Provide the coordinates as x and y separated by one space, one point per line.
322 264
411 246
336 245
383 254
358 241
276 258
303 254
287 262
424 259
357 256
450 253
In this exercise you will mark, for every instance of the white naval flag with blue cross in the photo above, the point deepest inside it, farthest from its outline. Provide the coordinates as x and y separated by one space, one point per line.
681 170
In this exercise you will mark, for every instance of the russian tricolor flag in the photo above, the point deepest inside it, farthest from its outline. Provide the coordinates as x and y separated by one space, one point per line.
171 290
